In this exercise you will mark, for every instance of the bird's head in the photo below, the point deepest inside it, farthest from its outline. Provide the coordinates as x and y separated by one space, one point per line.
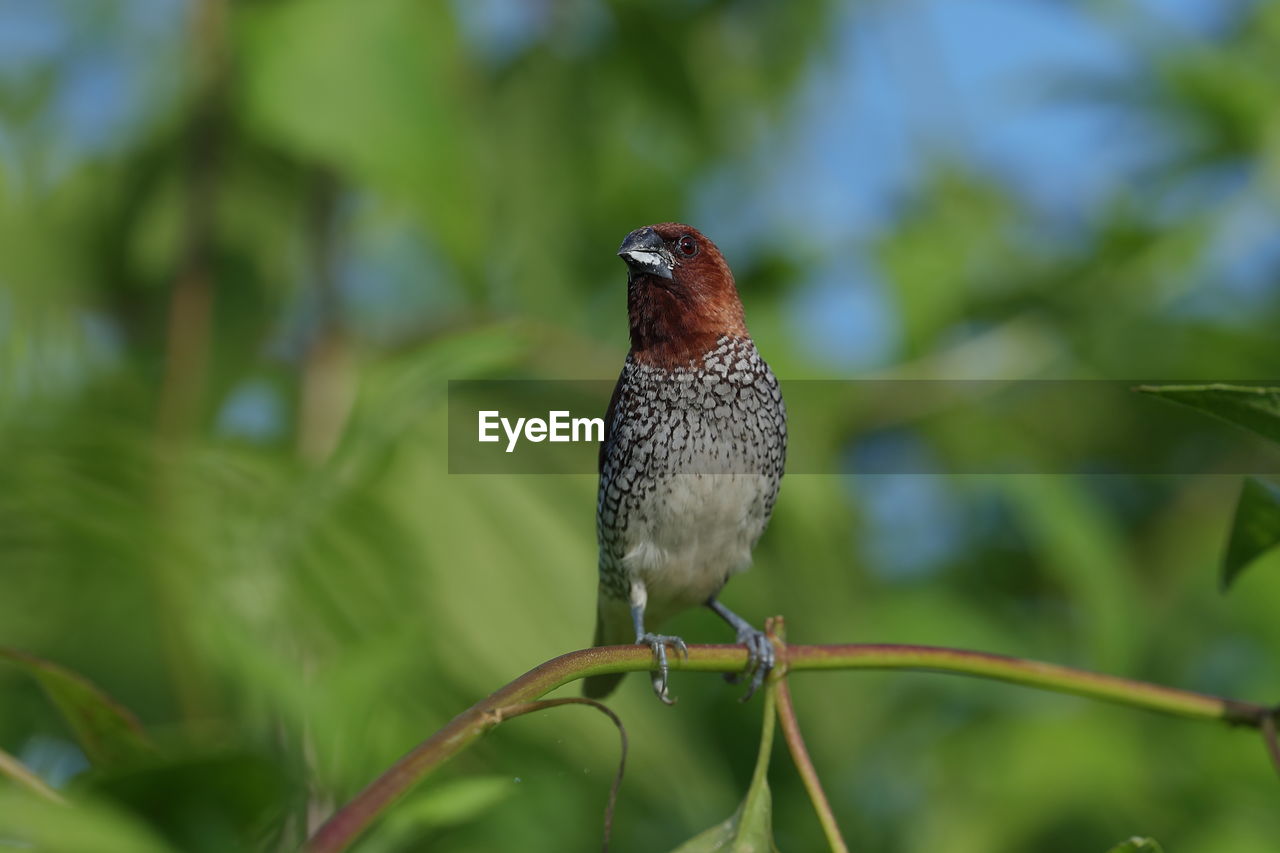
680 294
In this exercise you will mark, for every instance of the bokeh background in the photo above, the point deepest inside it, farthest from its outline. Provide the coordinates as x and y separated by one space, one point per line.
243 247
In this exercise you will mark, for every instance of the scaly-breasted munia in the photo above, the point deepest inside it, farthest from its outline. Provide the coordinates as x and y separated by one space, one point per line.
694 446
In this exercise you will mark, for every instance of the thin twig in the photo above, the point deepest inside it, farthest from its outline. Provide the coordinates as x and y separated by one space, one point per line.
509 712
1030 673
776 628
804 764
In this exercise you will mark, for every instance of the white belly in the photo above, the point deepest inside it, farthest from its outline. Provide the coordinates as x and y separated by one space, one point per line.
691 533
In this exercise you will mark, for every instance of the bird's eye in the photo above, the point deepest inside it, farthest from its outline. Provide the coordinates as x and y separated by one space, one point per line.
687 246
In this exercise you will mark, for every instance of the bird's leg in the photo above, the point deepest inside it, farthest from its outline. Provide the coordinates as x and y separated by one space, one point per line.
657 642
760 655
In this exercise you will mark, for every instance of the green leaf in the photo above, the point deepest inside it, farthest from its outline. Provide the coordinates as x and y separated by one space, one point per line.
88 827
750 828
107 732
1255 530
744 832
1138 845
1254 408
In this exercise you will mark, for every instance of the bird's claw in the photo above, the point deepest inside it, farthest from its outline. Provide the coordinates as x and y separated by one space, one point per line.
760 660
659 643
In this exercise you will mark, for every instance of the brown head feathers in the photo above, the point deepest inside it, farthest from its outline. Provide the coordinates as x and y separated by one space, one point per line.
681 296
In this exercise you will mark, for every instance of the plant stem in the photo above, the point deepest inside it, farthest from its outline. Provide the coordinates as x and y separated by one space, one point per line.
759 777
1030 673
776 628
808 773
344 826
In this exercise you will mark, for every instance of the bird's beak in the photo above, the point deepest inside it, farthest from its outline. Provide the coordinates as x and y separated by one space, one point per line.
644 252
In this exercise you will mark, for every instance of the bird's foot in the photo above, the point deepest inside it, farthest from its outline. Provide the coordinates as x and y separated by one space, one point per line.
760 660
659 643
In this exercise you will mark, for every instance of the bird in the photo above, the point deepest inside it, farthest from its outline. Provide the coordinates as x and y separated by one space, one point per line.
694 448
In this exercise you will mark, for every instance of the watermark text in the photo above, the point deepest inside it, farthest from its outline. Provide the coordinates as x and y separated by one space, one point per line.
559 425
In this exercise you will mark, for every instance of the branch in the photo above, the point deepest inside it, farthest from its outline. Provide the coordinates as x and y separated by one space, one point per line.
343 828
808 773
795 741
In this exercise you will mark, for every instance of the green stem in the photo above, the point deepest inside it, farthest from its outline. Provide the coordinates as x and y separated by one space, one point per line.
343 828
1030 673
759 777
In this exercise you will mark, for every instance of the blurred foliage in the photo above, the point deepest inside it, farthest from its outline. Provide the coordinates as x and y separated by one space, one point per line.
108 734
1256 529
1138 845
229 308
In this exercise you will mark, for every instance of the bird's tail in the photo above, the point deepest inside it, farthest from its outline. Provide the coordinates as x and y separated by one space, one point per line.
613 628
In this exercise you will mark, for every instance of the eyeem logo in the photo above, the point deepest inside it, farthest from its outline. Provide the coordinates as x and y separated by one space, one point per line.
558 426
